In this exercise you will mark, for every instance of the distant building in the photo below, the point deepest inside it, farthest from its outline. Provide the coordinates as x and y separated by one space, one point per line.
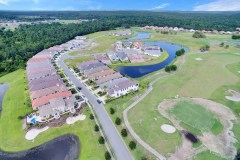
116 56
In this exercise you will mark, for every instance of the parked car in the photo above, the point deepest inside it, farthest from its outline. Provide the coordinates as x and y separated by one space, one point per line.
99 102
79 88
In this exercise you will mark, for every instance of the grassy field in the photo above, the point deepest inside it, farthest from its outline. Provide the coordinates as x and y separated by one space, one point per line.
73 62
197 79
12 135
195 116
207 155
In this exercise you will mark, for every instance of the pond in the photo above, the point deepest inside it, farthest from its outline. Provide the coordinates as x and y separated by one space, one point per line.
140 35
139 71
66 147
3 90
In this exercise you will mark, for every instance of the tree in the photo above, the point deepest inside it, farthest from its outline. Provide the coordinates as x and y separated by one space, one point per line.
173 67
118 121
91 116
144 158
132 145
180 52
96 128
198 35
124 132
107 155
227 46
101 140
235 36
168 69
112 111
222 44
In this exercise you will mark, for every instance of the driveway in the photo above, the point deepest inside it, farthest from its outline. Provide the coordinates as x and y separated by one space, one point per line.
119 148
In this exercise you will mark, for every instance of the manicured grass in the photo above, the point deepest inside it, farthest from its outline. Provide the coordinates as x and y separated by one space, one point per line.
73 62
160 59
12 135
207 155
197 79
195 116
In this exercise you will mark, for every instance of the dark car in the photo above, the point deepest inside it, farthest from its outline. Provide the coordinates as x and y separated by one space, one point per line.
79 88
99 102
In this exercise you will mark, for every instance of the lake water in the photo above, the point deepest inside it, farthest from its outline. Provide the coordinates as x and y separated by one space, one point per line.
3 90
139 71
140 35
66 147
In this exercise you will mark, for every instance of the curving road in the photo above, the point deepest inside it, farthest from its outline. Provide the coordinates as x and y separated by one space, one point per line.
125 112
119 148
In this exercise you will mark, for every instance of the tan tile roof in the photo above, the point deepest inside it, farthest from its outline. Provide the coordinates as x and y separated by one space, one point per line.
44 100
101 74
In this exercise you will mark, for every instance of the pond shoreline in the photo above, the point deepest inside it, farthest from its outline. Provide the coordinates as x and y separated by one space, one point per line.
66 147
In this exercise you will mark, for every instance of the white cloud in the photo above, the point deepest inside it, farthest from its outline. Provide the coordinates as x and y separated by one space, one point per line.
161 6
219 5
36 1
5 2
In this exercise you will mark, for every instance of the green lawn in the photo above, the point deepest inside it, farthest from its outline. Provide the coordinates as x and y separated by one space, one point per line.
12 135
195 116
73 62
197 79
207 155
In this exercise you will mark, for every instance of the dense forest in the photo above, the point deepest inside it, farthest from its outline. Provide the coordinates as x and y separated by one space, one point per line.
16 47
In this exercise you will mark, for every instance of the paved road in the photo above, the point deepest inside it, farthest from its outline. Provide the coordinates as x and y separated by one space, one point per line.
3 90
119 148
125 112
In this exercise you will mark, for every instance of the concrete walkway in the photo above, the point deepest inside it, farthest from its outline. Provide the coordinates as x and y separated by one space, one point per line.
3 90
125 112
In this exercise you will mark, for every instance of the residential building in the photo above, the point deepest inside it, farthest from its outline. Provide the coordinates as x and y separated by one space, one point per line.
122 88
100 74
108 78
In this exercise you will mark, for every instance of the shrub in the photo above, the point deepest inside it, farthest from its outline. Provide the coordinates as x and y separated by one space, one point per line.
132 145
144 158
107 155
118 121
235 36
101 140
91 116
96 128
112 111
205 48
198 35
227 46
222 44
167 69
124 132
173 67
180 52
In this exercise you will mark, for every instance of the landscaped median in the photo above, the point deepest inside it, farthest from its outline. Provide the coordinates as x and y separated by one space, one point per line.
15 106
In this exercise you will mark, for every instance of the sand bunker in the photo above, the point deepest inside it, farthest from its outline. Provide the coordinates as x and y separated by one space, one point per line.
168 128
235 96
72 120
221 143
198 59
33 133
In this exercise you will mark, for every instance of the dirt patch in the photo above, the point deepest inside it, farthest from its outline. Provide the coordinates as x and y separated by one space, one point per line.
221 144
235 95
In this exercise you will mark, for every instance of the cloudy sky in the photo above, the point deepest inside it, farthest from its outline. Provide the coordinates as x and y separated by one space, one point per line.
181 5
